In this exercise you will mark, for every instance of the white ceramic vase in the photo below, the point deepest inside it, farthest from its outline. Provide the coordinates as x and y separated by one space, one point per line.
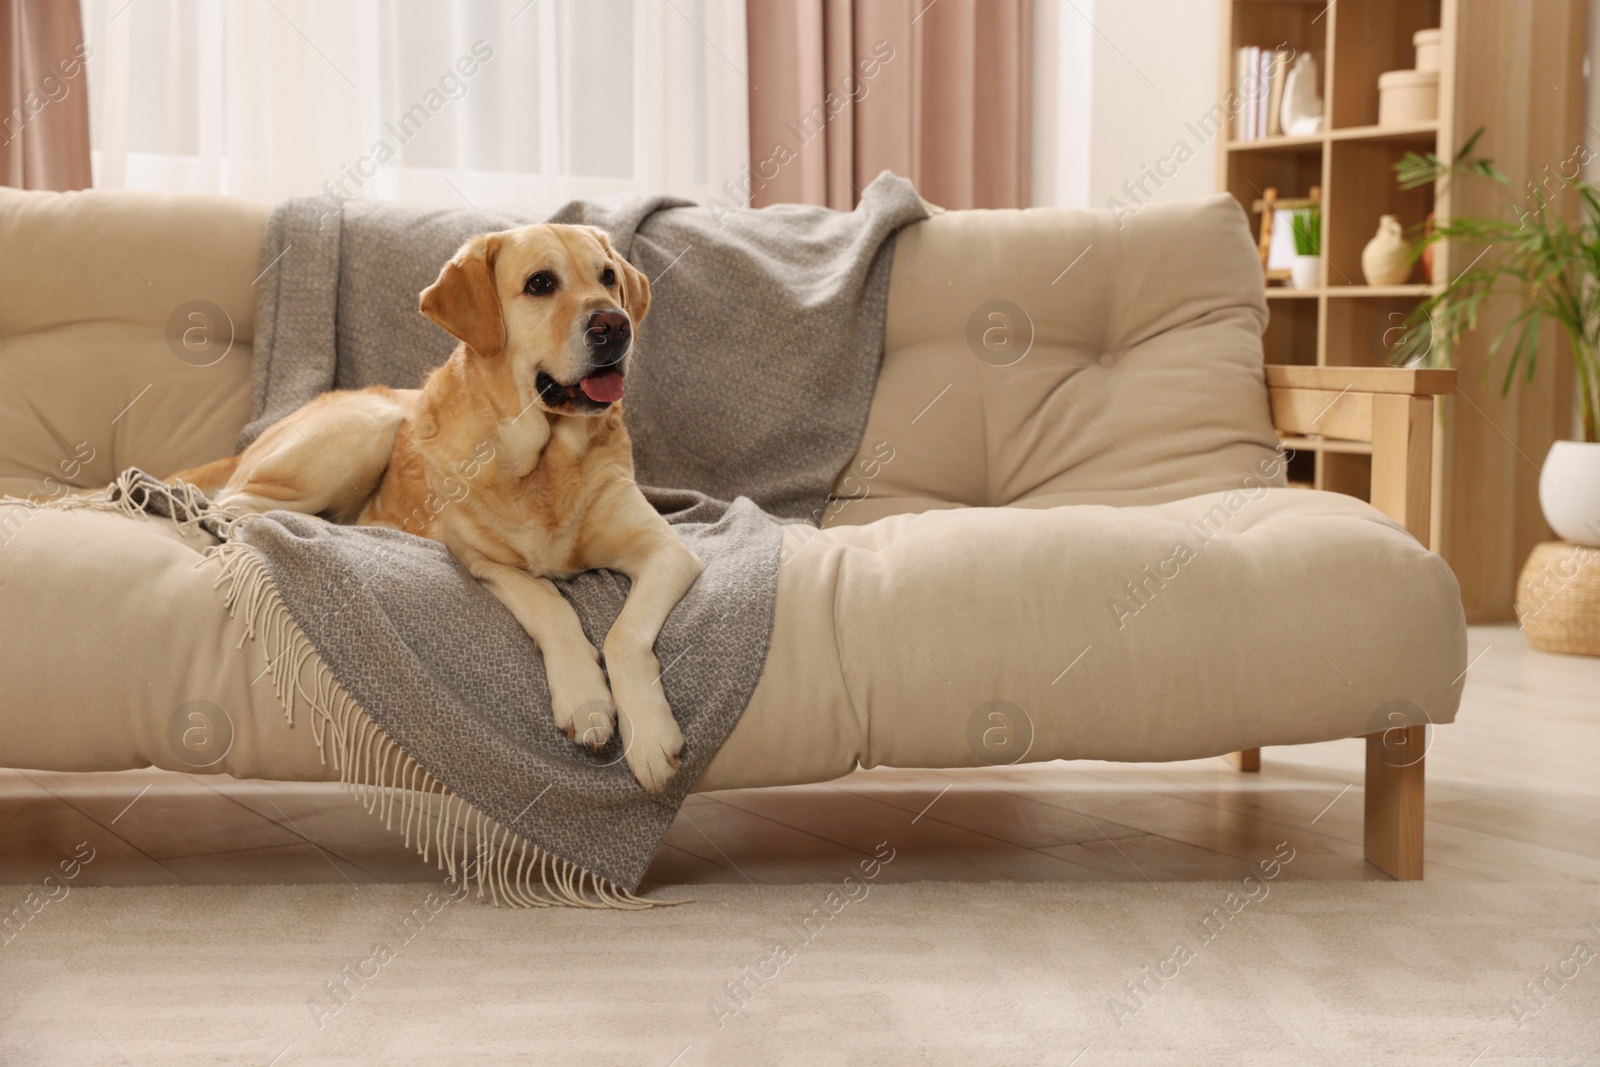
1387 258
1305 272
1302 100
1569 491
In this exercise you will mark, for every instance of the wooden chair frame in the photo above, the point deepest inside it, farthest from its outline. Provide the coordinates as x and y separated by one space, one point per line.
1391 408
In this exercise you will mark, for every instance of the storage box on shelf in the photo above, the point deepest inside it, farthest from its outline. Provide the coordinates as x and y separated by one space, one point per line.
1509 67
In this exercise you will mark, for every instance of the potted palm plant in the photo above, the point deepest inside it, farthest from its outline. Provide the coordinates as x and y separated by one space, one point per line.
1549 263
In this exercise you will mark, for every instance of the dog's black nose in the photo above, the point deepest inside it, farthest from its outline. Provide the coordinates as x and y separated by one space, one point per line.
610 329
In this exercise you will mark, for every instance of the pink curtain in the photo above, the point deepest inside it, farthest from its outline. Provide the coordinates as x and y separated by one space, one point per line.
44 98
935 90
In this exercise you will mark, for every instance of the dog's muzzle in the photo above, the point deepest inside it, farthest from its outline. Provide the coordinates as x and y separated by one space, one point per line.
609 336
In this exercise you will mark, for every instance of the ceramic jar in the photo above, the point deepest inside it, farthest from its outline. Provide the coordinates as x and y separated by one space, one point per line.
1408 97
1427 46
1387 258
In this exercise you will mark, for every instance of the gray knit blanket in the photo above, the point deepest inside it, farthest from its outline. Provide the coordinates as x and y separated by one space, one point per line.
753 376
752 373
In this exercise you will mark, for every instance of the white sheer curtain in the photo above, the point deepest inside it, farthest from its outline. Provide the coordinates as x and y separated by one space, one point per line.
494 103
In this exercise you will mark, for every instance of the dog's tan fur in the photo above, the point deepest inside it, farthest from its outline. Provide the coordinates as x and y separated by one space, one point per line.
522 487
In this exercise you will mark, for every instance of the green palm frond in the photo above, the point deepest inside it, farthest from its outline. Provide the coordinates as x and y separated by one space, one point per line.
1537 256
1416 170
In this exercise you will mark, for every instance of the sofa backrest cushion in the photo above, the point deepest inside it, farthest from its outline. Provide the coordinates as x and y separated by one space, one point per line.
1032 357
1048 356
126 322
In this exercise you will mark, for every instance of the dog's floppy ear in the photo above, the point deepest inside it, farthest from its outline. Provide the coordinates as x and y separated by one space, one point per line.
464 299
635 289
632 284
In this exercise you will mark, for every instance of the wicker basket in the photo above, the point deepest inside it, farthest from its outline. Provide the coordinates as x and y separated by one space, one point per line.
1558 599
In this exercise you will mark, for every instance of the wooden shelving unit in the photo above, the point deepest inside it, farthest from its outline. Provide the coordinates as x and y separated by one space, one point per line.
1514 69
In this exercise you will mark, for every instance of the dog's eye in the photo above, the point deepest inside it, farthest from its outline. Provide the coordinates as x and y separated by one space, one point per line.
542 283
608 277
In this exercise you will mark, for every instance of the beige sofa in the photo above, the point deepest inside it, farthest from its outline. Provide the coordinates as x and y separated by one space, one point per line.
1066 534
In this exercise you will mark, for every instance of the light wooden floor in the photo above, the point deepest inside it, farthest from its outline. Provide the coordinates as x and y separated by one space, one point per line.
1513 795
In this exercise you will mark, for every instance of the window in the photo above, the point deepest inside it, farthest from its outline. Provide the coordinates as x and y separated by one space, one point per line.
496 103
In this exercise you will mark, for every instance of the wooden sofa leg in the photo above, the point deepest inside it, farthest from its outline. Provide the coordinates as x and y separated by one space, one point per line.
1248 759
1393 830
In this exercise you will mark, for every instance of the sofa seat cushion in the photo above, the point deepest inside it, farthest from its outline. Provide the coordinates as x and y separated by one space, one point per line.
953 638
116 652
1236 619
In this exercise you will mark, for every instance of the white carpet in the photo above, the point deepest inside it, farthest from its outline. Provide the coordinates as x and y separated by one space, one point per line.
1338 973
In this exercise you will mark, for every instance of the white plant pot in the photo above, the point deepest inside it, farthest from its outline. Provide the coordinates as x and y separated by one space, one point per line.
1569 491
1305 272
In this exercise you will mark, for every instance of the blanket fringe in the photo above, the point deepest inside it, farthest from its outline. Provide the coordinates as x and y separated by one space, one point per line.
130 494
471 847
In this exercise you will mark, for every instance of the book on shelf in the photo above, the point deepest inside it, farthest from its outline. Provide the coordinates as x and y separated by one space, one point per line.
1244 94
1259 74
1263 77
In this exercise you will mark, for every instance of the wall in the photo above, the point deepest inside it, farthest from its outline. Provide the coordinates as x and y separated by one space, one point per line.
1115 81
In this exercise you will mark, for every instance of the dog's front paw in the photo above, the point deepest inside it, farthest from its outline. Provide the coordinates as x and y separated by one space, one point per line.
580 702
652 743
591 723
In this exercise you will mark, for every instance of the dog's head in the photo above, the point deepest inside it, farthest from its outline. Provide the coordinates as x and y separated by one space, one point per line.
556 302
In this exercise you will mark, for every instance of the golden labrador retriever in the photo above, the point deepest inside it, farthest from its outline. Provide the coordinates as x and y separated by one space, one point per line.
514 455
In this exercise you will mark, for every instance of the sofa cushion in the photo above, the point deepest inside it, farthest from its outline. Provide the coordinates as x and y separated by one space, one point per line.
1249 617
116 652
1051 352
1237 619
1141 382
125 333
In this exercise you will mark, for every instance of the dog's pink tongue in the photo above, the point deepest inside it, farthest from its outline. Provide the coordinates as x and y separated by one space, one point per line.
603 388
